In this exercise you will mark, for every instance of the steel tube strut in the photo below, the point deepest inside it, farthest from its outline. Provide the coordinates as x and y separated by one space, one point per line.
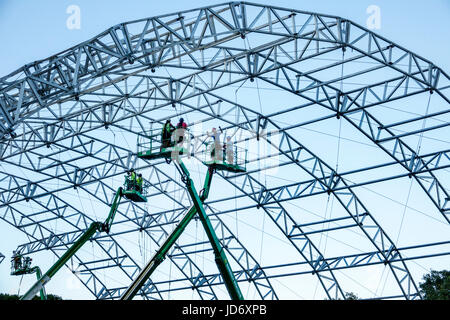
160 255
38 276
93 228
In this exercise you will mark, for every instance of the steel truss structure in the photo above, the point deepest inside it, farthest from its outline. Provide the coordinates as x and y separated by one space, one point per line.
69 125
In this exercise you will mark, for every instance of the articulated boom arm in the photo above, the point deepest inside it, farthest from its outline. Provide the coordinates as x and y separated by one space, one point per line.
42 293
93 229
112 212
160 255
220 257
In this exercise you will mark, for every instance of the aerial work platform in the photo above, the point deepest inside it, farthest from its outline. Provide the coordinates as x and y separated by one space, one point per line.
161 153
152 147
134 190
227 158
134 196
197 208
223 166
21 265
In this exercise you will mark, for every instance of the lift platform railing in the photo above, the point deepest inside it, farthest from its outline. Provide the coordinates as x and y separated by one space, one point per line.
153 141
20 265
225 154
134 184
150 141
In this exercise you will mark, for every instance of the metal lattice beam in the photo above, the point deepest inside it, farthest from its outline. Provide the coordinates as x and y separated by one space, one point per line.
70 123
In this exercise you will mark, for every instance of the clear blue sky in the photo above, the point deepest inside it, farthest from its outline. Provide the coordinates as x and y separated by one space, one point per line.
33 30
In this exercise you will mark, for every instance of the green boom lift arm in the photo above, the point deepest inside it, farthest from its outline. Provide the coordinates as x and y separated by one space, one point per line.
220 257
42 293
160 255
93 228
24 267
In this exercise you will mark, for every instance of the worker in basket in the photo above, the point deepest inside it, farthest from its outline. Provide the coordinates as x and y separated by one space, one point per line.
215 135
167 131
180 131
139 183
17 261
228 150
130 180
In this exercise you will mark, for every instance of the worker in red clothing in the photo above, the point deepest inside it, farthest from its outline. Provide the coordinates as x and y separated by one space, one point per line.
180 131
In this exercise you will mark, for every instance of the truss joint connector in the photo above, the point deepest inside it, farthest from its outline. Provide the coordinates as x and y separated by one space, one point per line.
131 58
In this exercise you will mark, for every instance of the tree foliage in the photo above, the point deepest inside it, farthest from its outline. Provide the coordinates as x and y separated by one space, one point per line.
348 296
5 296
436 285
351 296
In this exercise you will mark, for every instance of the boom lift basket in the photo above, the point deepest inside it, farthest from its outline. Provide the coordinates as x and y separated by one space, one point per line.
133 191
234 160
152 147
20 265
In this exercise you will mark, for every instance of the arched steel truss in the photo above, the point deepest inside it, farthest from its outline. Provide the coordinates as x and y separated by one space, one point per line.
52 109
